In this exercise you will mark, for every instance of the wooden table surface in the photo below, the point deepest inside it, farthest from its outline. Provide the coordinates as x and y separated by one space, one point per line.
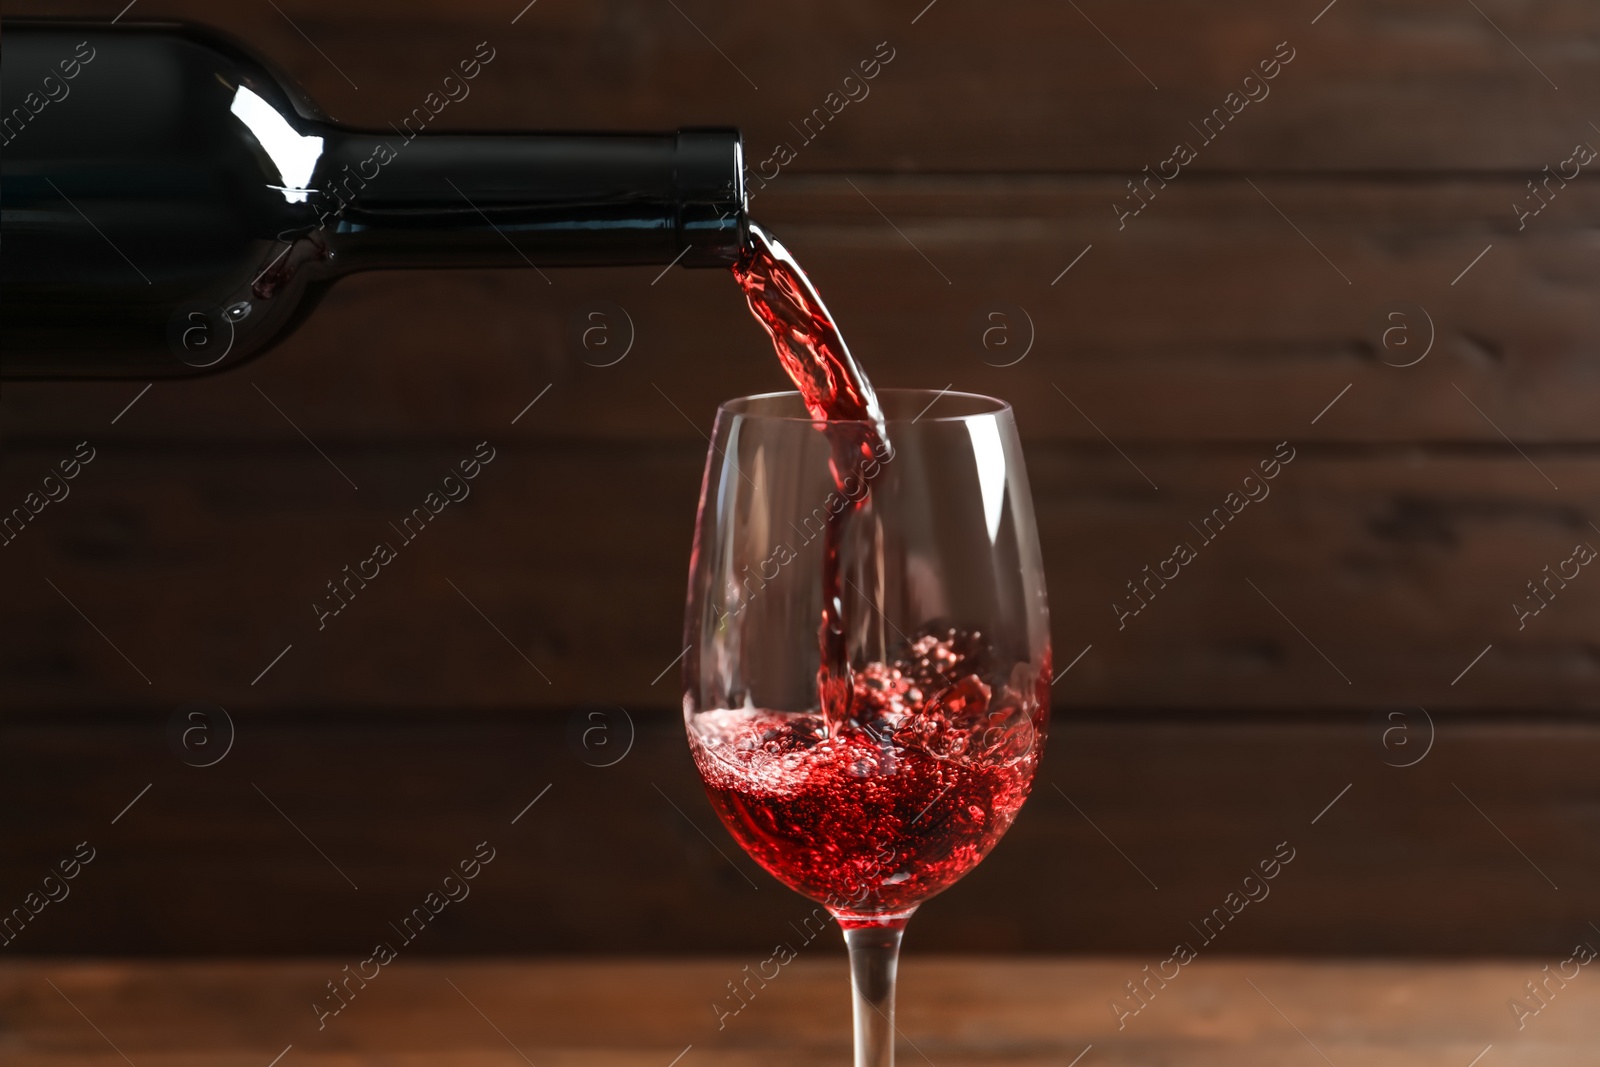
968 1010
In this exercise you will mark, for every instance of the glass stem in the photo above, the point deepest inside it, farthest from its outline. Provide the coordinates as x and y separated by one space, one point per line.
874 959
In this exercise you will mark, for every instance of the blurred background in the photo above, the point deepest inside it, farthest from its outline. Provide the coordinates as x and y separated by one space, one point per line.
1376 262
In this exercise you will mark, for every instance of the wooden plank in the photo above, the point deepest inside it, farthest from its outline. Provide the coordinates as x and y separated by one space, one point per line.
637 1013
629 859
645 1013
1207 318
1366 579
1042 86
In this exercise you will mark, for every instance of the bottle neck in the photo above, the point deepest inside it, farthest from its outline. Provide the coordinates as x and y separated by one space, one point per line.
533 199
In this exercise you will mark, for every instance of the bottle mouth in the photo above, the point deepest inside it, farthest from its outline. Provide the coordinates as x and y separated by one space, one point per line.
708 179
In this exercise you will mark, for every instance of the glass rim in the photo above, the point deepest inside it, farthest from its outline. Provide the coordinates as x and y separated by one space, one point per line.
987 407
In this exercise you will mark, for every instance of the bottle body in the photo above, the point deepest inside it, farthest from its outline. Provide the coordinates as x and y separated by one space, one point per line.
171 206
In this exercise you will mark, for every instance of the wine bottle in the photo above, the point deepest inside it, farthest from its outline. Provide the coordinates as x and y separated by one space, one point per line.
171 206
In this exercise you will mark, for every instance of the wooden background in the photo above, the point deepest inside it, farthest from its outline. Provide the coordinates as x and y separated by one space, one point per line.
1324 639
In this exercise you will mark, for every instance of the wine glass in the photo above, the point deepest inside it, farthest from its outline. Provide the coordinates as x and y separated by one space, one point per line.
867 688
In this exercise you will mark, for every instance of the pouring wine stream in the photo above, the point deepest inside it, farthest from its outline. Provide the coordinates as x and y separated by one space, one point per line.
835 390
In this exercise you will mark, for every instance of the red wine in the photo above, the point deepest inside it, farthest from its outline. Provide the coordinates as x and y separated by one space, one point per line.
876 818
911 769
808 343
836 391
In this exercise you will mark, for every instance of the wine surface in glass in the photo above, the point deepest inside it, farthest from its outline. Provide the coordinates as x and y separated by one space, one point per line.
874 818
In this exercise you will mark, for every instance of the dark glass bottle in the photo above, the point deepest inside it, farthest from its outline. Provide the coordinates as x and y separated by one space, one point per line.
172 206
